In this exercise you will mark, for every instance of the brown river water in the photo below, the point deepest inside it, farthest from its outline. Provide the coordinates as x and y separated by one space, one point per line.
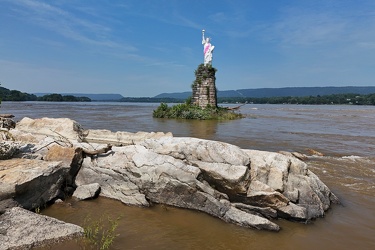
344 134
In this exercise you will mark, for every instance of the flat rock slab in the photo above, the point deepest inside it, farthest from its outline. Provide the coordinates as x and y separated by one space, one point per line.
22 229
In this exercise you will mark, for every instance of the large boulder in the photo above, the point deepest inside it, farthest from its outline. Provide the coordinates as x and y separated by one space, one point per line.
136 175
35 130
112 174
303 194
22 229
245 187
31 183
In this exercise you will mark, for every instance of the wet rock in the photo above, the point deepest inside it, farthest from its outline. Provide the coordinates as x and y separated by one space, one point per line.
22 229
267 212
292 211
244 219
314 152
298 155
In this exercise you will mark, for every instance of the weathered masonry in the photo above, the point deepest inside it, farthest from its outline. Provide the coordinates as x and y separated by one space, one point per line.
204 89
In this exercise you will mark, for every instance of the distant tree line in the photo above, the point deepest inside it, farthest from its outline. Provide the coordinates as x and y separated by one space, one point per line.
63 98
15 95
354 99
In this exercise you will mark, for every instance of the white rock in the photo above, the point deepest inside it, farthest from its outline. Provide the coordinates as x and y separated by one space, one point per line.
22 229
88 191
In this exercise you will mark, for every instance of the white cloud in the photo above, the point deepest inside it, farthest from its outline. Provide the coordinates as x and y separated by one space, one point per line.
301 28
68 25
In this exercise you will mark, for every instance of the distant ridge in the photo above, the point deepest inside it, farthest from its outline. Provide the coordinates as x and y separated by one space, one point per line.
279 92
93 97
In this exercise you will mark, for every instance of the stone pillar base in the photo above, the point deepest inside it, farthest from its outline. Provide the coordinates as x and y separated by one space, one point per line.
204 89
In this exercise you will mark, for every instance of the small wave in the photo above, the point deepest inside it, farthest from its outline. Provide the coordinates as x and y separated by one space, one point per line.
352 184
352 157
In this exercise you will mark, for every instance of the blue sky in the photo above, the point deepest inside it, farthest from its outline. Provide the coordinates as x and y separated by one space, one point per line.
144 48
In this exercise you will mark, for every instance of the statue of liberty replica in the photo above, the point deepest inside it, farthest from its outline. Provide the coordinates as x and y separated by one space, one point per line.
208 48
202 105
204 89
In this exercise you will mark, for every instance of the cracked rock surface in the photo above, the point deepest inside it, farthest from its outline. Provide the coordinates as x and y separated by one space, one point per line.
246 187
22 229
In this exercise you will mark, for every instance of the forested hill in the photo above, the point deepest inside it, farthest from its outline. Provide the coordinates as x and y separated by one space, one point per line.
280 92
94 97
15 95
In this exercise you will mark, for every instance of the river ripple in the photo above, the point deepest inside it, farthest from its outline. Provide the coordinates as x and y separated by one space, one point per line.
344 134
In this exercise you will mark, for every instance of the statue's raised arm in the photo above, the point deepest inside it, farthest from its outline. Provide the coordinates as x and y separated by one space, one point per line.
207 49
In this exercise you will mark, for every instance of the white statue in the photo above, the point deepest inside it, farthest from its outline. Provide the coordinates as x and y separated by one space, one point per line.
207 49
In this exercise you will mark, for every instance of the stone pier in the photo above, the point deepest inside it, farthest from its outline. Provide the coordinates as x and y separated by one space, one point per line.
204 89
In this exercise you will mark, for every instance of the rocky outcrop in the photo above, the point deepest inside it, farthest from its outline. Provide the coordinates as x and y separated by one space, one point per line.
35 130
22 229
305 195
31 183
65 131
240 186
